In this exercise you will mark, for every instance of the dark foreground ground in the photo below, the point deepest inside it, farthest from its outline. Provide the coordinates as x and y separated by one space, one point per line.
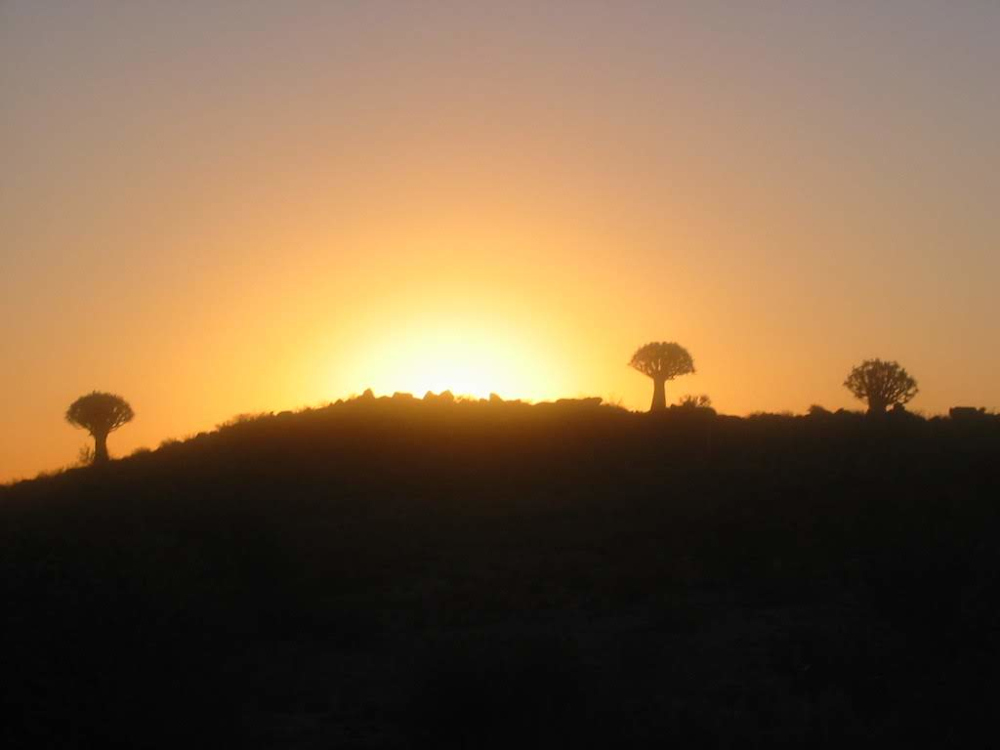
395 574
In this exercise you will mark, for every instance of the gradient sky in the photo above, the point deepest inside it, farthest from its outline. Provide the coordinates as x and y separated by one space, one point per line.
217 208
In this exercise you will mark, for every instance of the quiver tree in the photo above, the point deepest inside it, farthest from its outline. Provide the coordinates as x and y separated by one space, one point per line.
882 384
661 361
100 414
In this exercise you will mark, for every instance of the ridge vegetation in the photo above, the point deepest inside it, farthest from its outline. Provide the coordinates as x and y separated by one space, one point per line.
437 573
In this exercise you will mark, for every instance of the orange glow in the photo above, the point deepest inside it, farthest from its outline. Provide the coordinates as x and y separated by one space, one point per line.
464 357
213 213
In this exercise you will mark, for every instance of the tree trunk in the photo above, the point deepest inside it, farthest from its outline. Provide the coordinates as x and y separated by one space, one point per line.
100 448
876 407
659 395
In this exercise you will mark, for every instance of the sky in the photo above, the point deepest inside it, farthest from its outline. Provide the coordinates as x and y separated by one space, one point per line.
218 208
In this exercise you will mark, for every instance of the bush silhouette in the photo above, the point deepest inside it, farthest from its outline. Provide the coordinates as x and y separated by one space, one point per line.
86 455
882 384
691 401
661 361
100 414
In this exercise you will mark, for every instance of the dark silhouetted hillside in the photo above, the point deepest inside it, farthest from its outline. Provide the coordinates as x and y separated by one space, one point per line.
402 573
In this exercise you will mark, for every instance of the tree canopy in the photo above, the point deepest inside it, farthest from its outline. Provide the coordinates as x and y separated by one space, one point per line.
100 414
661 361
882 384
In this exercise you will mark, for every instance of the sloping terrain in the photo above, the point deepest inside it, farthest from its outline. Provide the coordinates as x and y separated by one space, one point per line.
399 573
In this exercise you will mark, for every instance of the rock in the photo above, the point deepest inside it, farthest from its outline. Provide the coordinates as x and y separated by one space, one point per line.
585 402
965 413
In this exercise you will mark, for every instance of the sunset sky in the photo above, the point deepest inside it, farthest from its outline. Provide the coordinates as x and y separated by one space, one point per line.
213 208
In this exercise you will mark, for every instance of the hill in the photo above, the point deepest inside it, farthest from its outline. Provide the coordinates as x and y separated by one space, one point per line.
401 573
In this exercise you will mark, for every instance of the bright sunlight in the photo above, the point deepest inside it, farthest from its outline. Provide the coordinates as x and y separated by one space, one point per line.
465 358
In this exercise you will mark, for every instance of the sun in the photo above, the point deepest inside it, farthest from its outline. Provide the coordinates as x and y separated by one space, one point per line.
465 358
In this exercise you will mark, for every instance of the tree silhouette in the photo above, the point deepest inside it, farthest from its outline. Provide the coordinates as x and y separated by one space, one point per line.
882 384
100 414
661 361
